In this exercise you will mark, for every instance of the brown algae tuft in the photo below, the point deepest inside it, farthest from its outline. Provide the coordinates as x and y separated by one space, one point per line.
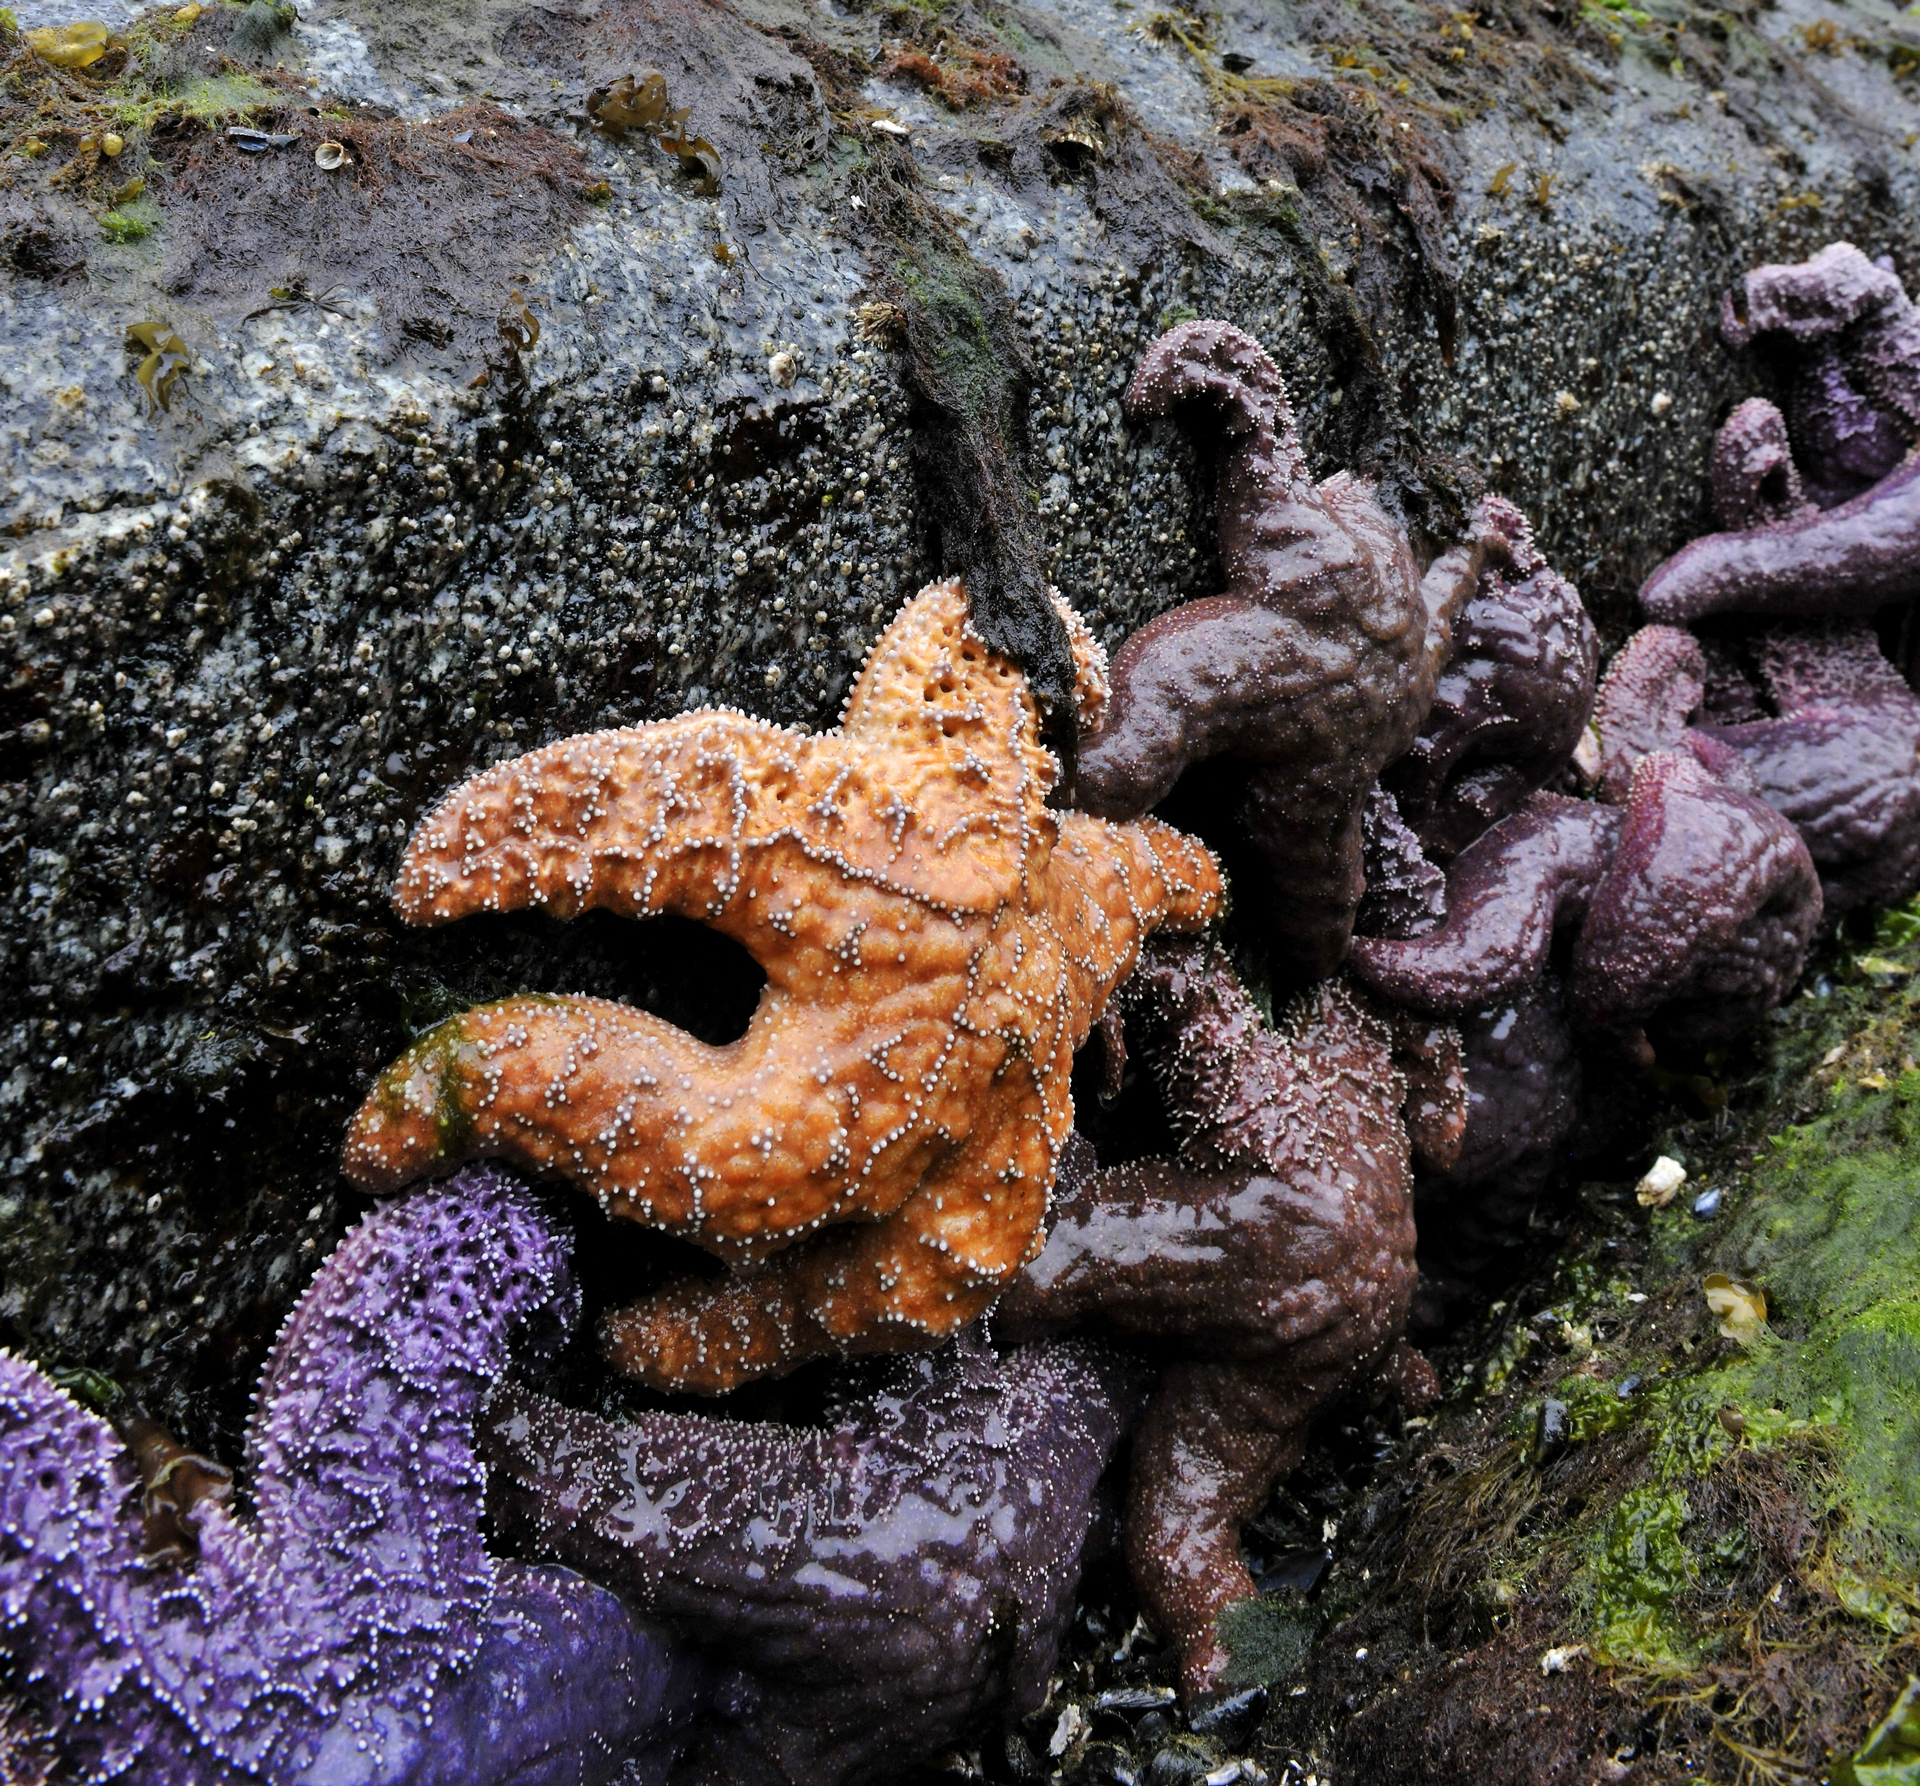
639 103
166 359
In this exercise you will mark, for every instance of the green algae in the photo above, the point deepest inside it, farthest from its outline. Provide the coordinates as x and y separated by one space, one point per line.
1267 1639
440 1060
1640 1569
1891 1754
1832 1229
1828 1224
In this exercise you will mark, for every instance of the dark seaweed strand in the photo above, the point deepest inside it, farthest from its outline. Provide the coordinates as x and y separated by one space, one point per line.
967 371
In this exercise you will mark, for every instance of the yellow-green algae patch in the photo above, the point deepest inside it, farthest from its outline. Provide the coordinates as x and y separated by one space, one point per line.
1828 1224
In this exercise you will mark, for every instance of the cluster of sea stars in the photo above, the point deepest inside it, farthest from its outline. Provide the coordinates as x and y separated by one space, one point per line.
1458 856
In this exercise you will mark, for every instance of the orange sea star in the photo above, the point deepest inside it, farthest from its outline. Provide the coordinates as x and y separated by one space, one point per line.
937 943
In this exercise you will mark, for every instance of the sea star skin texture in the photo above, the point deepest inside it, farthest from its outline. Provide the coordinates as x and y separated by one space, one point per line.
1510 704
937 943
1697 901
1406 893
1315 667
1754 480
1524 1079
890 1582
355 1631
1846 560
1842 760
1707 909
1274 1258
1508 893
1653 687
1855 344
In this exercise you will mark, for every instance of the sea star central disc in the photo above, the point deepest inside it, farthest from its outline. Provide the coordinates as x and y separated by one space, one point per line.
937 943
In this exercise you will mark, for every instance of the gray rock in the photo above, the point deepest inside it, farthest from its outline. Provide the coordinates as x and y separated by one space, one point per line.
380 536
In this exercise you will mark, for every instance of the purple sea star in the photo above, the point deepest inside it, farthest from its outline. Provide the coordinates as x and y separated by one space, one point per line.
1841 760
1852 341
1508 893
1846 560
1315 667
890 1581
1273 1260
1853 412
354 1631
1696 903
1754 480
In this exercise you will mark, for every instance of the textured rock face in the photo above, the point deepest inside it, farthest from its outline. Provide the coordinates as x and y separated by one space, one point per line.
515 430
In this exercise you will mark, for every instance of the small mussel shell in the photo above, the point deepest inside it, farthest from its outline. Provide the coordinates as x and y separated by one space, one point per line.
256 142
329 156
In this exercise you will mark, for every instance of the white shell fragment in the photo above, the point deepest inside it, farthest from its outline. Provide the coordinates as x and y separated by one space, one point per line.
1661 1184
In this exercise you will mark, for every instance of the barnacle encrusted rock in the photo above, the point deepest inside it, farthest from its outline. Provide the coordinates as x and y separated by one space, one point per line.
1273 1260
1315 667
892 1578
937 943
355 1627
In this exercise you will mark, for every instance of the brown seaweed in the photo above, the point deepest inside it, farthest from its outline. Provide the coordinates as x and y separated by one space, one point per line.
639 102
167 358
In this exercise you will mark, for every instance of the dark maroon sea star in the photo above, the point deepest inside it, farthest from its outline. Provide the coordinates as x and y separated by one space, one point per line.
1704 914
1315 668
1273 1259
1510 704
1406 894
1697 902
890 1581
1841 760
1508 893
354 1628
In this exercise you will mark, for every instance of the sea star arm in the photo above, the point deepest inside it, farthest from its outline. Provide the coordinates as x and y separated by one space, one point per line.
1523 1076
1211 1445
1652 688
1511 701
889 1577
740 1147
903 1283
1846 560
1274 1259
357 1630
1506 895
1710 903
1755 482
